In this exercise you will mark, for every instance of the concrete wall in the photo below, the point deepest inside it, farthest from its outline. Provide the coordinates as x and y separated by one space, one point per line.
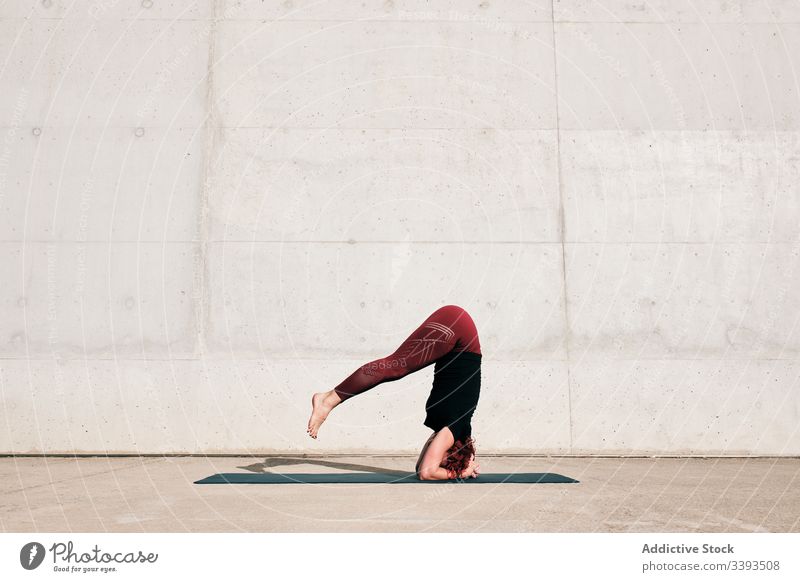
210 210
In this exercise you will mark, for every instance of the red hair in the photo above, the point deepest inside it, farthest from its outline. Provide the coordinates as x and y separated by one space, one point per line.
459 456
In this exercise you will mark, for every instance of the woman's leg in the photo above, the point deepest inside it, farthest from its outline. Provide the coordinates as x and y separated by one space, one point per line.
429 342
435 337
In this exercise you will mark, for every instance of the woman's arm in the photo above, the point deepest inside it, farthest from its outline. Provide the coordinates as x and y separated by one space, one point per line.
422 452
429 464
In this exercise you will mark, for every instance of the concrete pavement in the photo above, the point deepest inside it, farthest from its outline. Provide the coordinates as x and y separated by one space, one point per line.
157 494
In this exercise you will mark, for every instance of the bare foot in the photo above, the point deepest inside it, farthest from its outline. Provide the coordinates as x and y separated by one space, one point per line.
321 404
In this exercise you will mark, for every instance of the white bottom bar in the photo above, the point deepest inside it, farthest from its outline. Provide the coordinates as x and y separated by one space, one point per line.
386 557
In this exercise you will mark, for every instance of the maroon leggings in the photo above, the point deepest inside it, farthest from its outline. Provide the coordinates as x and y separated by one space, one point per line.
447 329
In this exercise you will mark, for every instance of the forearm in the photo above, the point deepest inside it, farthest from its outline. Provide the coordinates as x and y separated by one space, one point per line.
437 474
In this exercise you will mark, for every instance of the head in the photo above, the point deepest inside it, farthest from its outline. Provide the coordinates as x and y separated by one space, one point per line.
459 455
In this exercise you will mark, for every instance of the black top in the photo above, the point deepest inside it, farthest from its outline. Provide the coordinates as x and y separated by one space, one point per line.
455 393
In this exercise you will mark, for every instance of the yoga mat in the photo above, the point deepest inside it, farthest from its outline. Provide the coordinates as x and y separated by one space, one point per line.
306 478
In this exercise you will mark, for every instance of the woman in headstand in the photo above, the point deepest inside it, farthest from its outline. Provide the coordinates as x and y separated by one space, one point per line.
449 338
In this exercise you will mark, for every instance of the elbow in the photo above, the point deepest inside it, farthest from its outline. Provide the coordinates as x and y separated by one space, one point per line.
425 474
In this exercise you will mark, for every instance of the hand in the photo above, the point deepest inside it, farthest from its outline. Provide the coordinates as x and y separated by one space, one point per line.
472 470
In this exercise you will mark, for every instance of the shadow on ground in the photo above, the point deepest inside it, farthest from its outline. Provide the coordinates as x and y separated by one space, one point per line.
291 461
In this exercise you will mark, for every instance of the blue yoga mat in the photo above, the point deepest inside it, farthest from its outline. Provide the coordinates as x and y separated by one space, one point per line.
390 478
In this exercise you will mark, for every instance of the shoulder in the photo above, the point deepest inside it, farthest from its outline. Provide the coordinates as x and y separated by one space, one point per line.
461 429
